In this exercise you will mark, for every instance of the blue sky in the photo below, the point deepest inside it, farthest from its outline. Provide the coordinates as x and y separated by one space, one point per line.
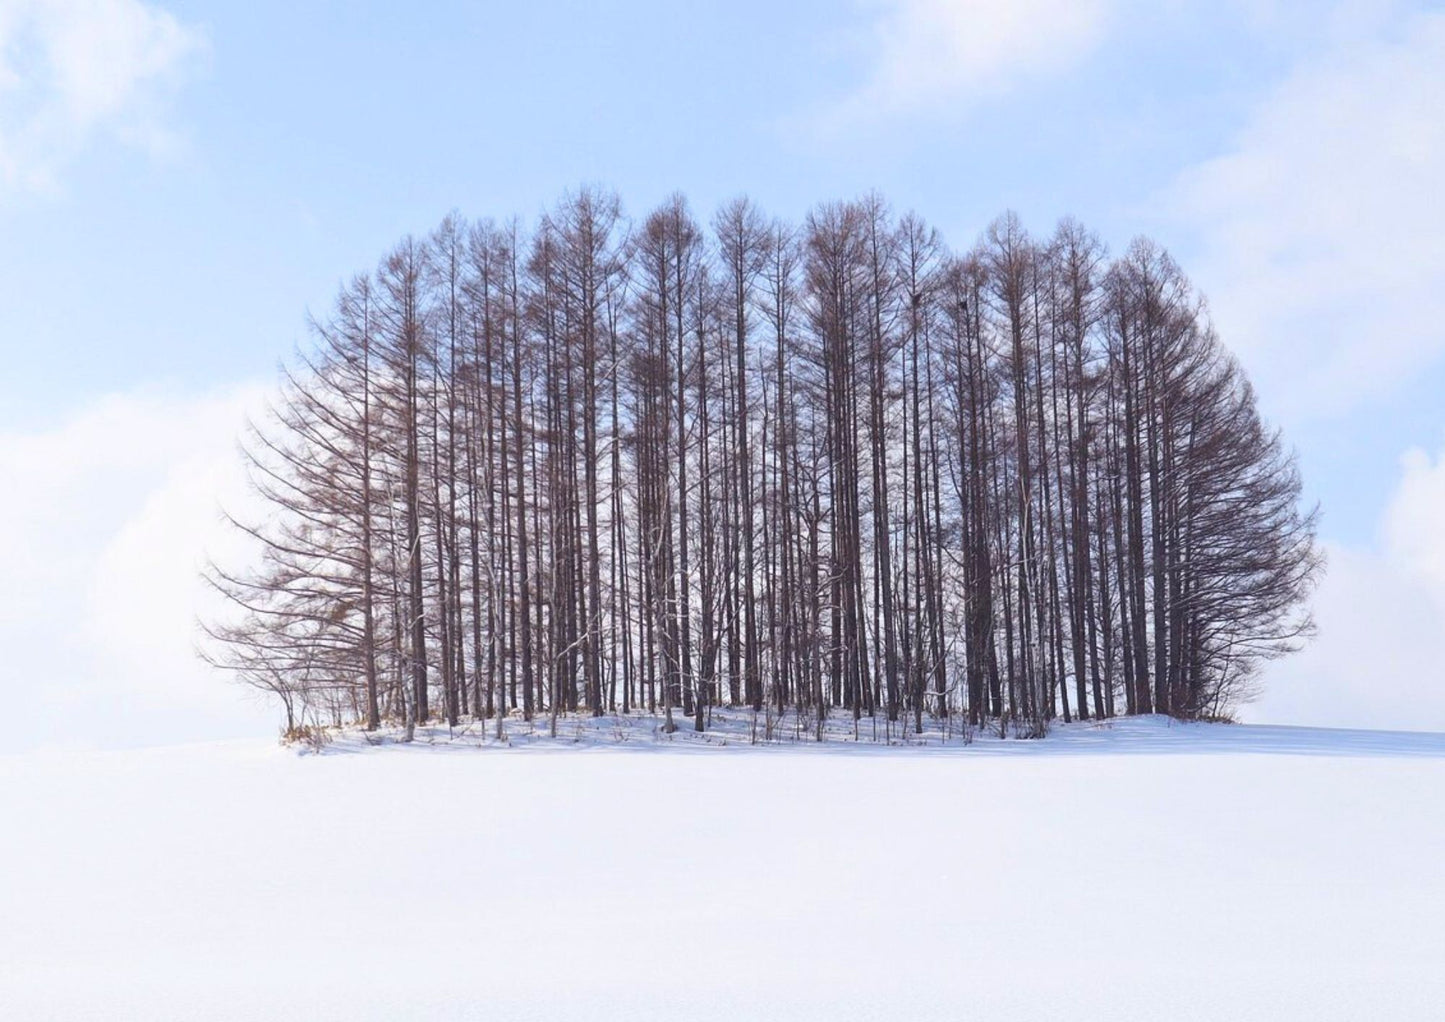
181 181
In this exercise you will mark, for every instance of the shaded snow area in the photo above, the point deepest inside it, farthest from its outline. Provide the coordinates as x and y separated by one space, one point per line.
840 733
1140 871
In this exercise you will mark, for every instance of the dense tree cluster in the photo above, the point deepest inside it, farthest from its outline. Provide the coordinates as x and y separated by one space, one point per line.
609 466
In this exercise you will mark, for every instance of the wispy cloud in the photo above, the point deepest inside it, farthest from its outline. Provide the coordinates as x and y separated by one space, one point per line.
928 55
113 514
72 71
1320 228
1379 658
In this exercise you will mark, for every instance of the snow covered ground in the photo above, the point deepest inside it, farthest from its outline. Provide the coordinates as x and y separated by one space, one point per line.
1140 871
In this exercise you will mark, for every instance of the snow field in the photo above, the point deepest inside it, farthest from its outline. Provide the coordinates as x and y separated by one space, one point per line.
1135 872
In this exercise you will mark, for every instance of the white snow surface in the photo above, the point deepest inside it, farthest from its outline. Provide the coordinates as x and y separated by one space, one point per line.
1142 870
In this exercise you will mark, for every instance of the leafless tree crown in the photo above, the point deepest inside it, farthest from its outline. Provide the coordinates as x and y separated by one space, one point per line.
612 466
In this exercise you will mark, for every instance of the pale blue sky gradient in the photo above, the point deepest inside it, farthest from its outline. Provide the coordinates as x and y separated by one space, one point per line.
175 249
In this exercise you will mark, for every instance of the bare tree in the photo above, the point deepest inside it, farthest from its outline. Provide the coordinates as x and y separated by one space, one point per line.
830 468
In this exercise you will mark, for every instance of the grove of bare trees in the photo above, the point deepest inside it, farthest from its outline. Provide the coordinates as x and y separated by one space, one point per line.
606 466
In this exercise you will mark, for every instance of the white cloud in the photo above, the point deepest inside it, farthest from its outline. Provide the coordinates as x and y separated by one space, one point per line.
1379 658
72 70
1318 239
108 518
1320 230
927 55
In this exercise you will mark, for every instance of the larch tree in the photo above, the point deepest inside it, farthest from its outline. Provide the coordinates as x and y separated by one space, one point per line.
596 467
